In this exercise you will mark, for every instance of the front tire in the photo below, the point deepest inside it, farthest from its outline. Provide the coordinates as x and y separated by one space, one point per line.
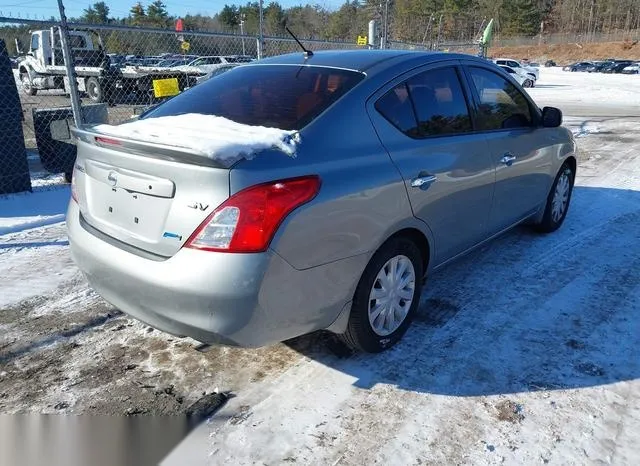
27 86
386 298
527 83
558 201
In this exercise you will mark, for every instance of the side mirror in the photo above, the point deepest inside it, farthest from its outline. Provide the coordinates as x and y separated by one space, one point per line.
551 117
18 46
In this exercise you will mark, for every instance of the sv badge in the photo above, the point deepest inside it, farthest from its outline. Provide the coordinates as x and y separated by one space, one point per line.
198 206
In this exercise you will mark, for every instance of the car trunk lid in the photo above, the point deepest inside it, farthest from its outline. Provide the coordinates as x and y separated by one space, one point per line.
148 196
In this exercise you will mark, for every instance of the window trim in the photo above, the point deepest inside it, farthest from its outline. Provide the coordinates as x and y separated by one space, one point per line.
536 114
406 77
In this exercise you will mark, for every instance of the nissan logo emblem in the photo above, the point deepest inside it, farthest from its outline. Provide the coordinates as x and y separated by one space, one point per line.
112 178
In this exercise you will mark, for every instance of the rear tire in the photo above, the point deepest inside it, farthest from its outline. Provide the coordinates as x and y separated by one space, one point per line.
393 275
94 90
558 201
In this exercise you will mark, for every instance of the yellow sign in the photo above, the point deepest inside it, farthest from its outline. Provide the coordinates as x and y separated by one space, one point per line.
362 40
166 87
185 46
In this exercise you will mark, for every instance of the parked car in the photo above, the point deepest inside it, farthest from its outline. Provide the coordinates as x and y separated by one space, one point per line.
206 65
549 63
599 67
404 162
579 66
524 81
217 71
531 72
173 62
631 69
617 67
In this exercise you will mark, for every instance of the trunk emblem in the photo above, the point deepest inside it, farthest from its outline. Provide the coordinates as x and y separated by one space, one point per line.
198 205
112 178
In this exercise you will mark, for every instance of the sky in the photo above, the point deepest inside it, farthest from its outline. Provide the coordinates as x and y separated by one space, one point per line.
39 9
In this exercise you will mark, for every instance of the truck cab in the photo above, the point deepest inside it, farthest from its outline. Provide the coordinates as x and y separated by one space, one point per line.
46 47
42 67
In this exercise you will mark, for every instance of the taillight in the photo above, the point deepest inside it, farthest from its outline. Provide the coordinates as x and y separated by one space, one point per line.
107 141
247 221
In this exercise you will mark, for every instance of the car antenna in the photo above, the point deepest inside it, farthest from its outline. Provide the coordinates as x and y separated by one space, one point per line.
307 53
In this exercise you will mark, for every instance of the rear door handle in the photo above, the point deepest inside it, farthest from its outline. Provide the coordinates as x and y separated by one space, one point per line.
508 159
423 181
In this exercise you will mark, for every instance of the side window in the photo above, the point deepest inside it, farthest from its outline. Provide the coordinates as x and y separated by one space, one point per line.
514 64
35 42
397 108
502 105
440 104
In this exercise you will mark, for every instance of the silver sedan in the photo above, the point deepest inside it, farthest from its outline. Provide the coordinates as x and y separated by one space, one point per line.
405 162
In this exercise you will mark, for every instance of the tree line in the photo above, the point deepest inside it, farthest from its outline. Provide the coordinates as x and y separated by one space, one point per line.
409 20
417 21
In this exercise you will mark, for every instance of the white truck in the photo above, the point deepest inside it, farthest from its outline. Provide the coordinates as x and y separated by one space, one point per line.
42 68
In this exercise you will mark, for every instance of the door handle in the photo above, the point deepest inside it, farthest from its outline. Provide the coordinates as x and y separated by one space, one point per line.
425 181
508 159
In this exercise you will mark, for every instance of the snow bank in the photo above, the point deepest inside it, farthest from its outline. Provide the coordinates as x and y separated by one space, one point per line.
212 136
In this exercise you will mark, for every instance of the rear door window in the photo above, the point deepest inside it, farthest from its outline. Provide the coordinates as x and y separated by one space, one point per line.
429 104
277 96
396 106
440 104
502 105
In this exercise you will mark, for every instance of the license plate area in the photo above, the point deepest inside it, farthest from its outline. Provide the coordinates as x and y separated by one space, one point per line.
132 214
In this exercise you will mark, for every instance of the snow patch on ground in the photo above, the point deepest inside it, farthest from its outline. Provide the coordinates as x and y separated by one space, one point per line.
22 211
557 88
212 136
586 129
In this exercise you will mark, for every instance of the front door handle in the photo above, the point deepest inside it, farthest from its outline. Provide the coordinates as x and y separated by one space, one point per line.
423 181
508 159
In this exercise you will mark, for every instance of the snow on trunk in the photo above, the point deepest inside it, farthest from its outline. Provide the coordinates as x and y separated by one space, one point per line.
212 136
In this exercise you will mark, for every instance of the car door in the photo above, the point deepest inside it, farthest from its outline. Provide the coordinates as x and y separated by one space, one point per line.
520 148
424 122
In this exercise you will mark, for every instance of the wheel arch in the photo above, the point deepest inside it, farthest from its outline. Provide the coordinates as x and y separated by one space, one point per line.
420 235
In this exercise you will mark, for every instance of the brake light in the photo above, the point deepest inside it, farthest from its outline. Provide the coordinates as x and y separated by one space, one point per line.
248 220
107 141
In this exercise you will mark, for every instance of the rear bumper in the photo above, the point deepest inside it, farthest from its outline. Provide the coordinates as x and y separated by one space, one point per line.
233 299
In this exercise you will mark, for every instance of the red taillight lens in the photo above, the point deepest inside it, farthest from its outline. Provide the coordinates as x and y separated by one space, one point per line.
107 141
247 221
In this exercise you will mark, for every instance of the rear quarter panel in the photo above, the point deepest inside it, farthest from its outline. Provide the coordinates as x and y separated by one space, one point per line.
362 200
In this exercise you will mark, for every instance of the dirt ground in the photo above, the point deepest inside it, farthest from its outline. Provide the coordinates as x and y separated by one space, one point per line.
564 54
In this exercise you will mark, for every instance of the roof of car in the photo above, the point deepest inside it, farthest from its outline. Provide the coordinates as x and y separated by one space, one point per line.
357 60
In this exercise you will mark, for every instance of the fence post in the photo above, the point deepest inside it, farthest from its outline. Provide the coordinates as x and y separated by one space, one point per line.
69 65
260 30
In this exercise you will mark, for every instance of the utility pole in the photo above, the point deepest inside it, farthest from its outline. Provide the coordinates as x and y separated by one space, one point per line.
261 30
385 36
242 17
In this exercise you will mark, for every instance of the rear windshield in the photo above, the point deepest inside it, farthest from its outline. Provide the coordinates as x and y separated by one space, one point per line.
275 96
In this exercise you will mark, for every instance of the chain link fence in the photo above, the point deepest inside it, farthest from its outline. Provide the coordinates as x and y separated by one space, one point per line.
120 72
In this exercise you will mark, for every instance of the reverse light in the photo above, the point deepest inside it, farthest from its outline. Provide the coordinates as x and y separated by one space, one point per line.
248 220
